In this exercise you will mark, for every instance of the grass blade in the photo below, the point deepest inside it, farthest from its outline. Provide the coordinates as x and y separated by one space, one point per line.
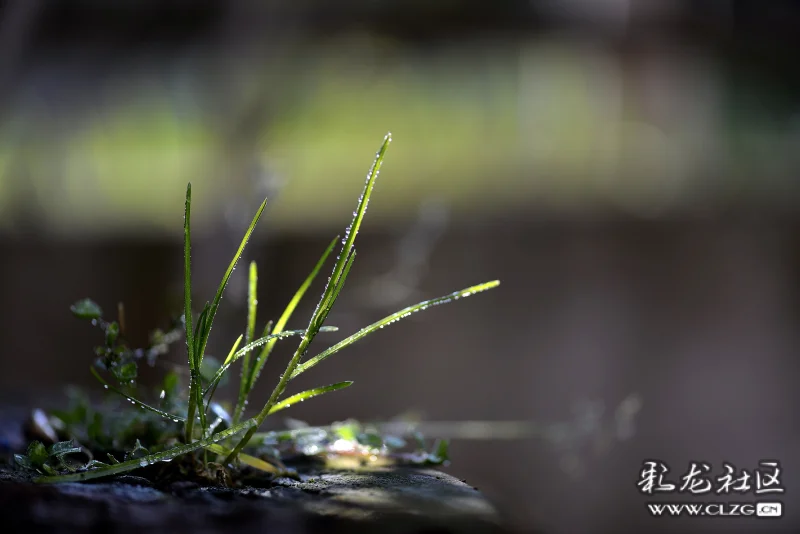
325 303
199 327
165 456
208 319
233 349
308 394
137 402
233 357
208 394
286 315
203 341
194 386
252 304
308 364
246 459
337 288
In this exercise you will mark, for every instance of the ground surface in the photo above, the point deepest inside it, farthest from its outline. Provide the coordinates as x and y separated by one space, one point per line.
391 500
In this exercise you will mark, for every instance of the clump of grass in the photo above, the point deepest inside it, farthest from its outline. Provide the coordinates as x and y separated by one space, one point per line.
193 415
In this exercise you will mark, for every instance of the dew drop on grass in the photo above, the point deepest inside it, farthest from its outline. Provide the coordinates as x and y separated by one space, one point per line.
144 463
163 394
105 386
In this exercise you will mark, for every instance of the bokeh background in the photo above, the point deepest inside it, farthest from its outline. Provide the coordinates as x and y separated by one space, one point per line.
627 168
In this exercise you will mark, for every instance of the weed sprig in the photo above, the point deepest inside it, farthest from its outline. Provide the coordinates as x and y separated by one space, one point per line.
197 432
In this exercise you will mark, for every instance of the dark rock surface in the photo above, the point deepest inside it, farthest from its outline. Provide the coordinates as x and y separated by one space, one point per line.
391 500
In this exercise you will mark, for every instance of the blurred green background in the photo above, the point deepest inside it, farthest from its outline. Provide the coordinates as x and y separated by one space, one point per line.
489 121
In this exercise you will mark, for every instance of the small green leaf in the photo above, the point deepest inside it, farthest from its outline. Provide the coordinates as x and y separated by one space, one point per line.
62 448
125 372
24 462
86 309
112 333
137 452
37 453
111 457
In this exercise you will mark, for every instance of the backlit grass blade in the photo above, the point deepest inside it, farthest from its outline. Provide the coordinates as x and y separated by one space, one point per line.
245 388
202 337
287 314
137 402
226 277
337 288
194 386
325 303
250 334
233 350
199 327
165 456
308 364
252 461
308 394
187 275
208 394
195 398
250 346
350 235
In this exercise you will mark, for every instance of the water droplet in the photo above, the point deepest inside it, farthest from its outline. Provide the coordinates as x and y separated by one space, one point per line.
163 394
144 463
105 386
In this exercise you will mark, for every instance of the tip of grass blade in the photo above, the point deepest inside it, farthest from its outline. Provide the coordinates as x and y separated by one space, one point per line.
308 394
390 319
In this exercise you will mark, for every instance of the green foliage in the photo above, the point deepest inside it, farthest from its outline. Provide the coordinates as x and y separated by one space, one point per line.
43 460
86 309
162 426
